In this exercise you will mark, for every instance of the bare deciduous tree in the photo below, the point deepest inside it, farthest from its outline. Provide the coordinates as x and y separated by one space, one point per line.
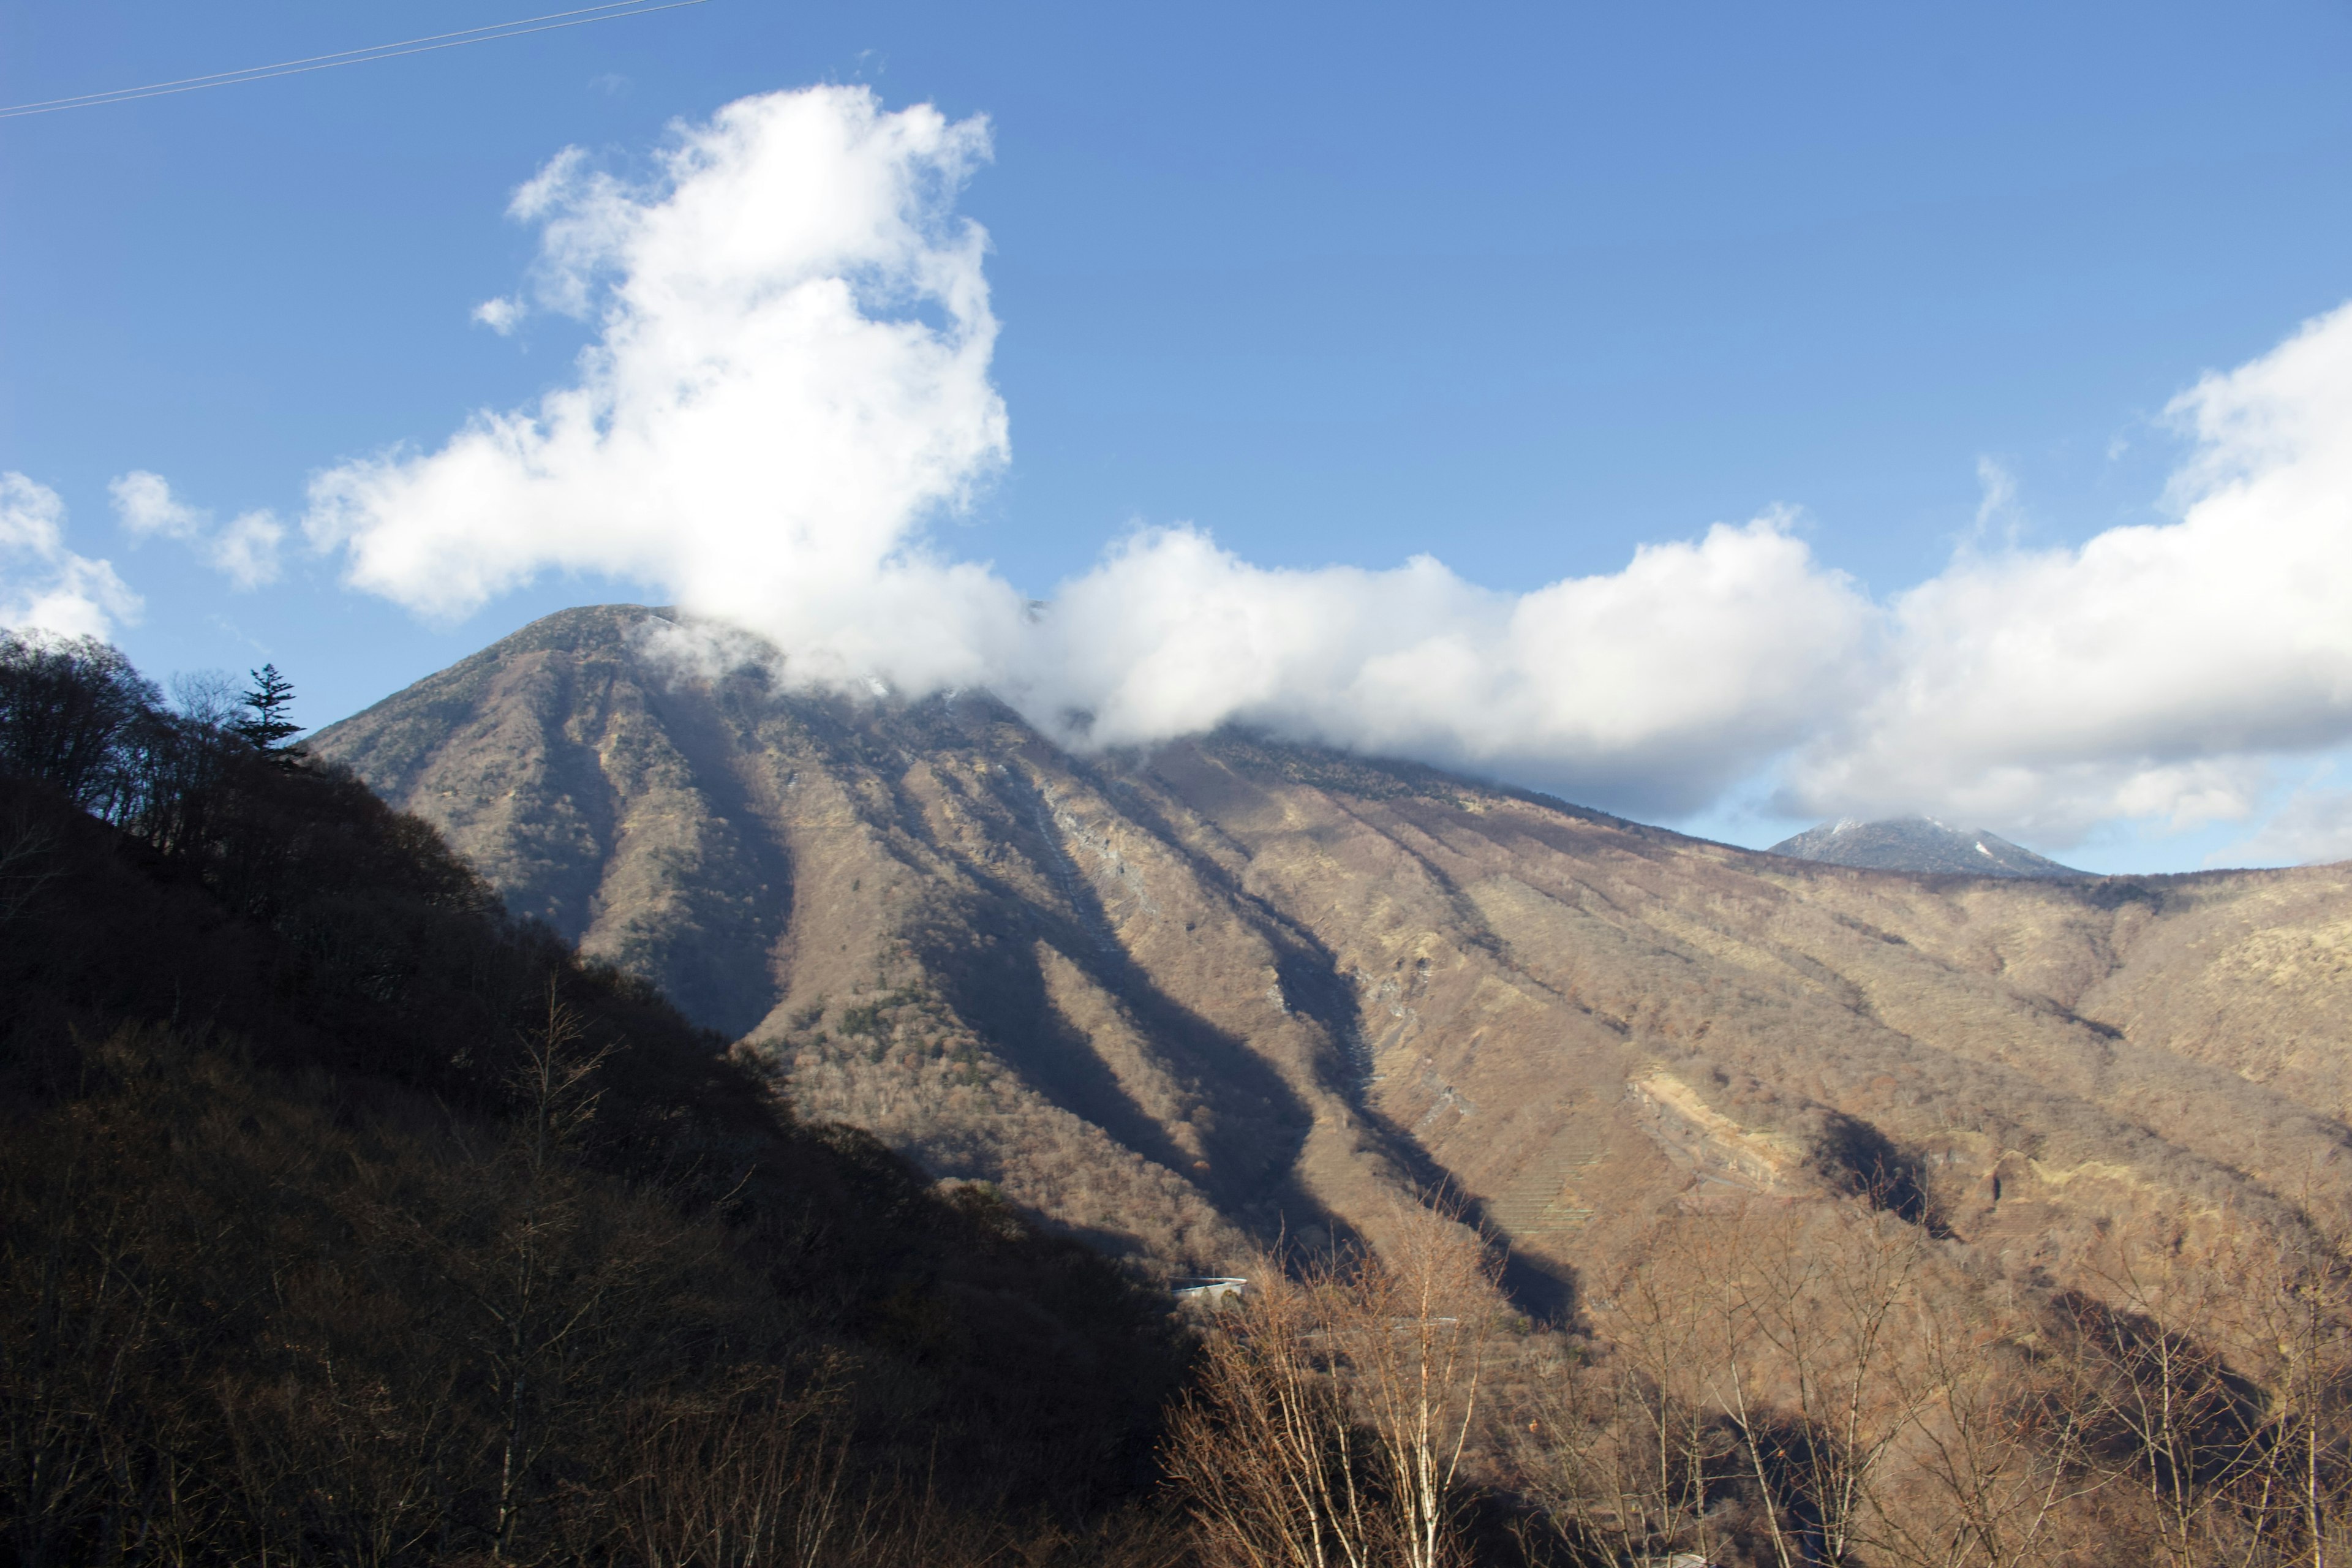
749 1478
1618 1444
1993 1463
1334 1410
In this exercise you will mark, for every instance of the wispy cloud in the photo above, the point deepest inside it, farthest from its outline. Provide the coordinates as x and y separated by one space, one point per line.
501 315
1997 509
2315 824
246 549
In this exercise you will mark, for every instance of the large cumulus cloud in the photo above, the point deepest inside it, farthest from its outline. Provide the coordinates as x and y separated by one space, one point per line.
790 378
789 387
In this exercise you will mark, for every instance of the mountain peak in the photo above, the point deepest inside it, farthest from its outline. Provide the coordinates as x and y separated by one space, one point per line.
1919 844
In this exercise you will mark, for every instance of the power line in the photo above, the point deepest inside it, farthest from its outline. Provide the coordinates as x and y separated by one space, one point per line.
340 58
554 21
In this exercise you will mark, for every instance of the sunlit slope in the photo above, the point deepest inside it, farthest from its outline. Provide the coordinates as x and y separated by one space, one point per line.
1231 988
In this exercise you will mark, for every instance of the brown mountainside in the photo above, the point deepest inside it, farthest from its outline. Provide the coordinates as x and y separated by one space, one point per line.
1181 999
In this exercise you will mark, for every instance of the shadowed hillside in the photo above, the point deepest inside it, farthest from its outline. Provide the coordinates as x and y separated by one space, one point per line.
344 1218
1232 988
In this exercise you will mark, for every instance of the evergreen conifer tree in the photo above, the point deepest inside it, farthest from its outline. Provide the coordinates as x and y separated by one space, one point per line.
268 728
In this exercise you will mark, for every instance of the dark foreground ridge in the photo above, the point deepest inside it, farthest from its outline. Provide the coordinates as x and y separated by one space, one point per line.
1919 844
345 1218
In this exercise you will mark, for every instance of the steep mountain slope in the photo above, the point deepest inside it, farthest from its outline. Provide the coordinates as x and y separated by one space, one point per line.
1919 844
1231 988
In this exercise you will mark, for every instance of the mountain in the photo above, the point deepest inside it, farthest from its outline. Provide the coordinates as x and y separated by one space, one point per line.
1185 999
1918 844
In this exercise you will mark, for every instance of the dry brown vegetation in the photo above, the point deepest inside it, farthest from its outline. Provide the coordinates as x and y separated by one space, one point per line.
1335 1405
1779 1387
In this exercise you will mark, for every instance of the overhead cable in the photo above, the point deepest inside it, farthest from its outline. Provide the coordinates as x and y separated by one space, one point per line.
552 22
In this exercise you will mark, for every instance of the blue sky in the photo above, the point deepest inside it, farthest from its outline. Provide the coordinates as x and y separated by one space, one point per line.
1523 288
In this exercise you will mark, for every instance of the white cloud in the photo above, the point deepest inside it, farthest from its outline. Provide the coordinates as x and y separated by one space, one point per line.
501 315
145 505
1662 683
245 551
2152 671
790 384
42 583
1997 505
791 380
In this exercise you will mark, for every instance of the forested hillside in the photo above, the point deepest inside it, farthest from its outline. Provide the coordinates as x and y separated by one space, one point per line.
345 1218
